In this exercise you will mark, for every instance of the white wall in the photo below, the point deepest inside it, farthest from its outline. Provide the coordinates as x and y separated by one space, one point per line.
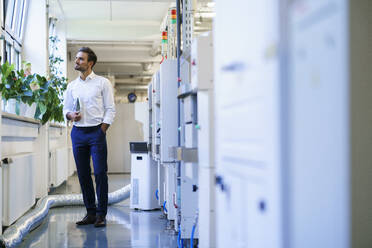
35 51
141 114
130 125
71 73
18 142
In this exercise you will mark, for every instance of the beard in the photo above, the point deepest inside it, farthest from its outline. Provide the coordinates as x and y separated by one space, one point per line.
80 68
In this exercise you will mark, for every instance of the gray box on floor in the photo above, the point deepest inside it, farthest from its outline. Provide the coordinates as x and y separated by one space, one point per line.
143 178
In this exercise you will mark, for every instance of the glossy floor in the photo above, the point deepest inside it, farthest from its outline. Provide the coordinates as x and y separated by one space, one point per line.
125 228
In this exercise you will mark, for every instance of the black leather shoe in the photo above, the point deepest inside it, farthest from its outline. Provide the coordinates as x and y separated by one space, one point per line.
88 219
100 221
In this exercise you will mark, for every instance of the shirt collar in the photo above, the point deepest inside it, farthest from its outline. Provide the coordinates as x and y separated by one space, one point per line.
90 76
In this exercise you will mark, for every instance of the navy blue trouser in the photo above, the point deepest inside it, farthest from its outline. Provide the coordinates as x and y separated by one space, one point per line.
86 142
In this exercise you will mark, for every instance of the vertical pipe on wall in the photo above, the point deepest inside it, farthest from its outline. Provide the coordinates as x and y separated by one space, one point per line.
178 62
284 103
178 103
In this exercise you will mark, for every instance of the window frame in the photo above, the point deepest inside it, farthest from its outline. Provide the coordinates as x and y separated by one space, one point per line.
16 55
7 13
21 27
8 46
17 26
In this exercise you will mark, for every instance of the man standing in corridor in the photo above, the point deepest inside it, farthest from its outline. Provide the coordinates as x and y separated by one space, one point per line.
89 103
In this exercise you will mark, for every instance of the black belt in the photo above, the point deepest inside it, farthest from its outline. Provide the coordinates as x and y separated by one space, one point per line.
89 128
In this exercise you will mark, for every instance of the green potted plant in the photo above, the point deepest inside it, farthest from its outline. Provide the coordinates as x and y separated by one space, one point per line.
45 94
33 89
13 88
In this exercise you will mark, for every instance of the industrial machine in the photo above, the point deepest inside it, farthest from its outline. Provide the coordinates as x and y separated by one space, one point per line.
177 132
168 132
143 178
202 57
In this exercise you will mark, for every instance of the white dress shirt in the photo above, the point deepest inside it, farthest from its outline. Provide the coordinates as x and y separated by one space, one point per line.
96 100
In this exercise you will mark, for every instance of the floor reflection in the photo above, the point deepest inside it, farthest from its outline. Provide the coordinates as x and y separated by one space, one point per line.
125 228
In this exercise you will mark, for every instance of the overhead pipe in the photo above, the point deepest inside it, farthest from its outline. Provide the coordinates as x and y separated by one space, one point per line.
110 43
135 80
126 74
131 87
14 234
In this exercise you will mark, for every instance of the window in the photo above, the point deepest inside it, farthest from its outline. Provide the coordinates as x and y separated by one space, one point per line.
8 52
13 29
9 13
20 26
15 13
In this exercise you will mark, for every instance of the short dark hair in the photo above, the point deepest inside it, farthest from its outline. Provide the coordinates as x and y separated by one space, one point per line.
91 55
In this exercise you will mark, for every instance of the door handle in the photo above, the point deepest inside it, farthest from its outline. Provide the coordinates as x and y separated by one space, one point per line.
6 161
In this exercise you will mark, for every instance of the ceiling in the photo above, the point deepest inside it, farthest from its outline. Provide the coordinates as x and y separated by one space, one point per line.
111 20
125 34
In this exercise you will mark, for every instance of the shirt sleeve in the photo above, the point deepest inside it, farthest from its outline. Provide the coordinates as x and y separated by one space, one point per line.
68 101
108 102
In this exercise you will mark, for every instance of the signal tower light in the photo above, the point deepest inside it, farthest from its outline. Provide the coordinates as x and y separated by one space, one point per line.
164 36
174 16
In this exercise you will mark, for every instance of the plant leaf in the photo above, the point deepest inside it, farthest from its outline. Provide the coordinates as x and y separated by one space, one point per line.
37 112
43 108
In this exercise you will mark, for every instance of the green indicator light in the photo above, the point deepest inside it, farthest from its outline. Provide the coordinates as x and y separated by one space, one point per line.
179 128
197 126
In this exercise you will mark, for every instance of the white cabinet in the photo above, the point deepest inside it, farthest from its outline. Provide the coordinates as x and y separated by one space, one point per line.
58 166
18 187
202 62
155 146
319 134
206 206
206 169
143 182
282 123
168 131
168 108
170 190
247 82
